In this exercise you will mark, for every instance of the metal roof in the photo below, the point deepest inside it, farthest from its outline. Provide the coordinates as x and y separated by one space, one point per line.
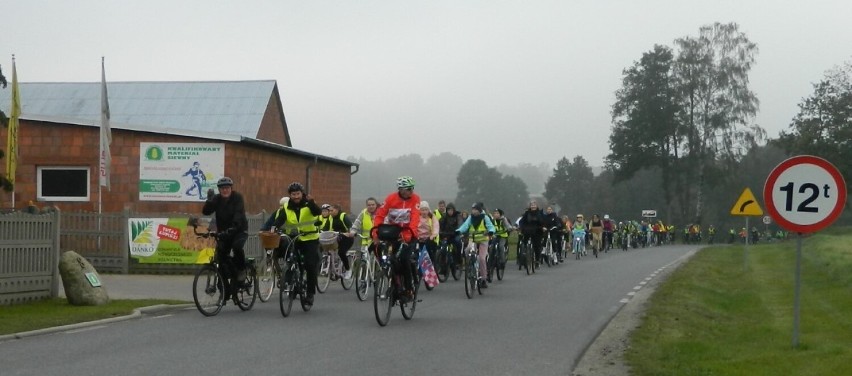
229 107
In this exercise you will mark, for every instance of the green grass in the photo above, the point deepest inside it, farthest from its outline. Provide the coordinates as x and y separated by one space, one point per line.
56 312
713 318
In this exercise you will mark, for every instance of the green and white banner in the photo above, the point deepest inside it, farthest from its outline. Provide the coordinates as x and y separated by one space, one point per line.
168 241
179 171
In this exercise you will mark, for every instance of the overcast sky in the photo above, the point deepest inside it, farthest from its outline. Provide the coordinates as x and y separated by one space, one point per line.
503 81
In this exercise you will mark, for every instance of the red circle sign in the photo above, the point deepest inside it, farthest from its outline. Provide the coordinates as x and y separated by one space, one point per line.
804 194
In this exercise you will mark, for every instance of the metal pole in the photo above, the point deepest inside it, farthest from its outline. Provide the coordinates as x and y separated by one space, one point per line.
745 253
796 290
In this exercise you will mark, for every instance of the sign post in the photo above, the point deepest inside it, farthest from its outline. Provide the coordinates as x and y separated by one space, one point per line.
804 194
746 206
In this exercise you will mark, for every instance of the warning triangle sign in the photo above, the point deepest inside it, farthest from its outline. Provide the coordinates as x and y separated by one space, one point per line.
747 204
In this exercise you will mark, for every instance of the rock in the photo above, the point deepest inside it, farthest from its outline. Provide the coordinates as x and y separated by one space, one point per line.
78 289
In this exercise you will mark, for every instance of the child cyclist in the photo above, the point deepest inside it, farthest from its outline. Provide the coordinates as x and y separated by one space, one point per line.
480 228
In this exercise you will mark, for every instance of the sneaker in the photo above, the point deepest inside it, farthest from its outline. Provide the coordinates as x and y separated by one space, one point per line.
347 274
483 284
309 300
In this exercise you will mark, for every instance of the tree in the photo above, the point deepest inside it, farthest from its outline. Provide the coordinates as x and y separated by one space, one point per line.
570 187
478 182
646 132
823 126
718 106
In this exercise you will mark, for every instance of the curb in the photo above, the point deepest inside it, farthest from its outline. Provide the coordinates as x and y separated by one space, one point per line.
137 313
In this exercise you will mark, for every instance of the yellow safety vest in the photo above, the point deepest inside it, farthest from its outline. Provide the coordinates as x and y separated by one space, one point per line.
366 226
480 234
306 225
499 229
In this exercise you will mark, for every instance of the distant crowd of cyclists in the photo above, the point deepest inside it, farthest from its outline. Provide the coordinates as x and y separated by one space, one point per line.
299 216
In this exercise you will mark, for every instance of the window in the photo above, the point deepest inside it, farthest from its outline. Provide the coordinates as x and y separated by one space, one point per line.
65 183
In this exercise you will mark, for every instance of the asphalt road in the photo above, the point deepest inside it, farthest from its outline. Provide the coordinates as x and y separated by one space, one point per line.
537 324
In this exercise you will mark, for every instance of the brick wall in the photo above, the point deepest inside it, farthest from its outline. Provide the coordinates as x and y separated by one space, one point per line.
261 174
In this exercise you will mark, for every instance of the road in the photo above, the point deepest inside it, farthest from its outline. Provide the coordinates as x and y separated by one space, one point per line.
537 324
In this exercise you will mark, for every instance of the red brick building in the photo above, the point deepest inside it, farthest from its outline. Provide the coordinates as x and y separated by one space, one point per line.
59 136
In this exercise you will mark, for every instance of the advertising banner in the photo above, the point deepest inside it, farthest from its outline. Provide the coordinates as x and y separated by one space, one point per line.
168 241
179 171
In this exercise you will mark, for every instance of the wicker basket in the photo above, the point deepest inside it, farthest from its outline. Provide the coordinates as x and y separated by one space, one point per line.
328 240
269 240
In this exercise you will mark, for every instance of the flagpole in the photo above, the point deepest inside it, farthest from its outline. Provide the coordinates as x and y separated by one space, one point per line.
12 135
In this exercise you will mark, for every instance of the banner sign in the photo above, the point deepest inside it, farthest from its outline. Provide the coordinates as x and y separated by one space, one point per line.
168 241
179 171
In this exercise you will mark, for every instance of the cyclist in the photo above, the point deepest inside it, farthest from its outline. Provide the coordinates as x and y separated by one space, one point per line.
322 221
364 221
480 228
401 208
427 232
554 226
608 229
299 219
532 226
502 228
230 215
596 228
447 225
337 220
579 230
711 234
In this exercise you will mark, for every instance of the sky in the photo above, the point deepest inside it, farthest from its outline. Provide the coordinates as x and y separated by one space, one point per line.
503 81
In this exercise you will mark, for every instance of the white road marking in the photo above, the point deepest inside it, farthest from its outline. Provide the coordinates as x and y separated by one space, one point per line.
625 300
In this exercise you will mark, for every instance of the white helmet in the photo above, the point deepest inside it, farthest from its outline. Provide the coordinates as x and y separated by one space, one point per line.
606 216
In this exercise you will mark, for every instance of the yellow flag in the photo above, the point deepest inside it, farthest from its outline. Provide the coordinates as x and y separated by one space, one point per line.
12 136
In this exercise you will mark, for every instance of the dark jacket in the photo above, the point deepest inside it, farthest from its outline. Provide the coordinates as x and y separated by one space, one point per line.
448 224
532 222
230 212
552 220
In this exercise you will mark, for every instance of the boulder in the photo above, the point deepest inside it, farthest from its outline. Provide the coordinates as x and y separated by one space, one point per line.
78 276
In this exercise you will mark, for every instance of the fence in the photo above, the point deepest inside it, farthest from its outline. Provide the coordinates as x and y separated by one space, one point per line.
29 256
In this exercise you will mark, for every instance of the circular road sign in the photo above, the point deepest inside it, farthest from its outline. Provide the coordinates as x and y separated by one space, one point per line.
767 220
804 194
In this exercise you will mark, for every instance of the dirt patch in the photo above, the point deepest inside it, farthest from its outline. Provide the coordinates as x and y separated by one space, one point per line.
605 356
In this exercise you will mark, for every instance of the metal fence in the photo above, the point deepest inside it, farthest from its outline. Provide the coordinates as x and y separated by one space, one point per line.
29 256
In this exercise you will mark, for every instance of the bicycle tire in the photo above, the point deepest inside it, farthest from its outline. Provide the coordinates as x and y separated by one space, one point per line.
383 297
528 258
303 292
266 279
501 264
208 290
246 295
407 309
347 283
470 280
286 293
443 269
456 271
548 251
324 275
362 284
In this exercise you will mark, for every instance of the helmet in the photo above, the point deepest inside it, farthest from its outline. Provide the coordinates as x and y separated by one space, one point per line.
478 206
284 200
606 216
295 187
325 207
405 182
225 181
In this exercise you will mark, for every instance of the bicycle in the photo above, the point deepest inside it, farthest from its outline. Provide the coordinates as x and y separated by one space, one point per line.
331 267
471 275
526 249
270 269
549 254
579 244
497 255
447 261
364 270
294 282
208 286
389 289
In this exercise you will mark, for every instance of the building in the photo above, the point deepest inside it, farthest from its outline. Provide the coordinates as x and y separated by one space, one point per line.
161 131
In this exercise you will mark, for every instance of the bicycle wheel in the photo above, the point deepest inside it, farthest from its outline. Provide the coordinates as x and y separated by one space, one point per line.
207 290
501 263
324 275
408 308
247 294
362 283
454 268
441 267
548 254
286 292
470 283
529 258
266 279
303 291
383 298
348 282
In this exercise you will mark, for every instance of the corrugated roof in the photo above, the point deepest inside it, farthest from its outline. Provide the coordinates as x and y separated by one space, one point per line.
230 107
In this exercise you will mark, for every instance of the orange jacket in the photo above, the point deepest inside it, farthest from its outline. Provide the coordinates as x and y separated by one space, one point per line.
405 213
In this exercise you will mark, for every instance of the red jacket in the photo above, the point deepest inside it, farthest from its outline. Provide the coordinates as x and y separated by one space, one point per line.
405 213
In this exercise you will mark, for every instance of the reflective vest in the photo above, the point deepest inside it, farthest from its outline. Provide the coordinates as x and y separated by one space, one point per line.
499 229
366 226
306 224
480 234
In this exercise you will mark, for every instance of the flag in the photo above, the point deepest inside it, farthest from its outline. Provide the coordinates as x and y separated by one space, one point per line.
12 135
106 134
426 268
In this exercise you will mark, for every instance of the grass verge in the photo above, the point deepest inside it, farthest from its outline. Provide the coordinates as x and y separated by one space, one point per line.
713 318
56 312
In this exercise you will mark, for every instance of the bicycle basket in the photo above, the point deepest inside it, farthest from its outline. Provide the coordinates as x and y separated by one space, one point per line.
328 240
388 232
268 239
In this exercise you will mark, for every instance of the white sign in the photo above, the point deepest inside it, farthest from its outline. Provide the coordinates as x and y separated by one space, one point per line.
649 213
767 220
179 171
804 194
